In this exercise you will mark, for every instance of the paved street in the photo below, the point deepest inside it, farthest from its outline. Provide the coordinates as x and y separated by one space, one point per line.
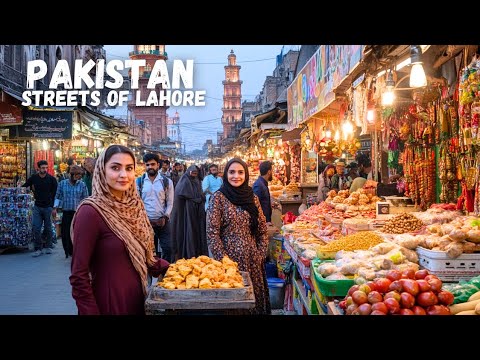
36 286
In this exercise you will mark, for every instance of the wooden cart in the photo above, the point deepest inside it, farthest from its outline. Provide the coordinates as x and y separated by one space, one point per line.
161 301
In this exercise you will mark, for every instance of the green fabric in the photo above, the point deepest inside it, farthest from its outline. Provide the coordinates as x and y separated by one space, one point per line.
87 179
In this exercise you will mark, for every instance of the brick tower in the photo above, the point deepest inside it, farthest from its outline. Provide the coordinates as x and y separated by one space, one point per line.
232 97
155 117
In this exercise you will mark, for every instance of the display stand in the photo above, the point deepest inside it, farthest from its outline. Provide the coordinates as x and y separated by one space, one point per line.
15 217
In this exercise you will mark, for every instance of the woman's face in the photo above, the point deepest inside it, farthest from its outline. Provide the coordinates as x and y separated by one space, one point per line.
236 174
120 173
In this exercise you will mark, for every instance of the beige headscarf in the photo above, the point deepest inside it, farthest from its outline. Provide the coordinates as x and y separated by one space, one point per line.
126 217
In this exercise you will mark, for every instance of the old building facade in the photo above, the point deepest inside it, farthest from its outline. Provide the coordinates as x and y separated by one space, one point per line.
155 117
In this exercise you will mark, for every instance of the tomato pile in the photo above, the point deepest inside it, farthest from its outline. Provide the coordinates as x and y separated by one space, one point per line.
399 293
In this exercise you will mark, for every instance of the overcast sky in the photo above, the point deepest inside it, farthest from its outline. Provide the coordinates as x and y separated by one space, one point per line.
256 61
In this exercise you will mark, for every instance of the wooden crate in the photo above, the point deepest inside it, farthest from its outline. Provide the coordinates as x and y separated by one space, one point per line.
160 299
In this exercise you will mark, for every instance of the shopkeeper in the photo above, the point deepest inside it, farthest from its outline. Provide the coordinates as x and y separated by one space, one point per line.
340 181
391 189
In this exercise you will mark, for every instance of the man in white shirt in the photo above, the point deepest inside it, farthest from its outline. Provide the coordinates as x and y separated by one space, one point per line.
157 194
211 183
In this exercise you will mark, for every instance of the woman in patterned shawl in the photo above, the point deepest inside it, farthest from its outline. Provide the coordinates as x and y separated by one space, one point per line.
236 227
112 241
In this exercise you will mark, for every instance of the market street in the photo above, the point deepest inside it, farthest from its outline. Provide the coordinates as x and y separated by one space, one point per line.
36 286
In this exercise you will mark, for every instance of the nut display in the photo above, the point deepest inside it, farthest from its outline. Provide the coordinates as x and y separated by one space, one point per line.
362 240
402 223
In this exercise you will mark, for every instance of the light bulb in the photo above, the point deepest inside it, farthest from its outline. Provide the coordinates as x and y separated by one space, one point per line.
417 76
388 97
58 153
371 115
337 135
328 134
45 145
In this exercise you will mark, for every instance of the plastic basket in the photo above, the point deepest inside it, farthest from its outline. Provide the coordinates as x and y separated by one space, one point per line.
330 287
438 263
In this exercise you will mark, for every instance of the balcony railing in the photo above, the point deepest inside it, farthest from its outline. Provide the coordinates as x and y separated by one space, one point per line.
148 52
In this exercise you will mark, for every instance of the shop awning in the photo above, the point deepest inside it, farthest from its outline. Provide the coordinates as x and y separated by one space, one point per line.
292 134
12 94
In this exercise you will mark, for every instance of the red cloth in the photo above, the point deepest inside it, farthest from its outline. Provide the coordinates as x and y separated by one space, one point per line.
116 287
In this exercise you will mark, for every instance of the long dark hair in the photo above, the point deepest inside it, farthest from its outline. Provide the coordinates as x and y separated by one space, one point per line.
118 149
242 195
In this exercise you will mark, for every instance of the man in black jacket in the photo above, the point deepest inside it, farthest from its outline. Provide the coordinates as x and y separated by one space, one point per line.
44 188
260 188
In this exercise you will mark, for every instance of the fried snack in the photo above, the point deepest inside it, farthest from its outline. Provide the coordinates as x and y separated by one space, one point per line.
197 270
184 270
192 281
227 262
205 259
167 285
205 284
217 263
181 286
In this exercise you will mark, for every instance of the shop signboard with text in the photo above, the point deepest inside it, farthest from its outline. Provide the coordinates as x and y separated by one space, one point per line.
312 89
44 125
10 114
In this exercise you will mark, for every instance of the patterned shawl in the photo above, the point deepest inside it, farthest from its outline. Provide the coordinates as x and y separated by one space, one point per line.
126 217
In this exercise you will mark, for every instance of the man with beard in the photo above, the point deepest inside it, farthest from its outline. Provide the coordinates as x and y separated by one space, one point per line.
260 188
44 187
88 165
211 183
69 195
157 194
177 173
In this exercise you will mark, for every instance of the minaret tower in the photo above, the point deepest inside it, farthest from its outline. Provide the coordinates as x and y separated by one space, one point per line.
154 116
232 97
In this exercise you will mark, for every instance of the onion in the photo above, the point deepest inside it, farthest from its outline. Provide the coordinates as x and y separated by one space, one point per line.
359 297
374 297
436 284
382 285
420 274
396 286
406 312
407 300
423 285
392 305
365 309
418 310
445 297
438 310
427 298
393 275
410 286
380 306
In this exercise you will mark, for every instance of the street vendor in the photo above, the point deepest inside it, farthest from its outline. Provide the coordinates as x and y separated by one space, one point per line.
394 188
340 181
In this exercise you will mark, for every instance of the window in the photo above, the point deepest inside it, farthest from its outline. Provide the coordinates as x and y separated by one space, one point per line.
18 57
8 55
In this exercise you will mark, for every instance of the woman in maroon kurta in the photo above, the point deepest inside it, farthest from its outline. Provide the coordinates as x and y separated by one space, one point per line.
112 241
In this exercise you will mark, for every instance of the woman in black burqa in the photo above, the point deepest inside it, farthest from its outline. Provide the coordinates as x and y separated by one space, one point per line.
188 216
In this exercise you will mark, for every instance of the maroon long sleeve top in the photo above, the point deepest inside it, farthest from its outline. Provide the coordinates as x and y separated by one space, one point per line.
115 287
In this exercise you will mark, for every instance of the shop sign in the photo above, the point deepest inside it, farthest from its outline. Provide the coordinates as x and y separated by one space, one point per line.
10 114
312 89
44 125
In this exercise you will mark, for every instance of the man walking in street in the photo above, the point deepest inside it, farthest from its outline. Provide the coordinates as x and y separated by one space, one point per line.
176 173
44 187
211 183
165 168
260 188
69 195
157 194
88 165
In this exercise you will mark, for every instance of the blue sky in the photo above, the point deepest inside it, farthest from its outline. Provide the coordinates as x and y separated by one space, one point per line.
257 62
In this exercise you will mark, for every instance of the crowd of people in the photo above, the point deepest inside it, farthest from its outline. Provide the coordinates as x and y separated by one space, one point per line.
121 229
